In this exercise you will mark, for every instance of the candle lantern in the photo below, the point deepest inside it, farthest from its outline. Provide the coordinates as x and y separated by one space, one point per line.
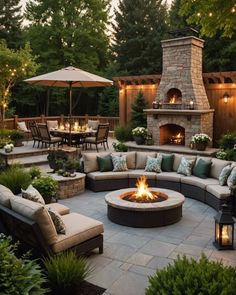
155 104
191 104
224 229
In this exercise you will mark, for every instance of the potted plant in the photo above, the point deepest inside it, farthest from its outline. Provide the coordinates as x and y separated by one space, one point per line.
139 134
17 137
120 147
70 165
200 141
47 186
56 158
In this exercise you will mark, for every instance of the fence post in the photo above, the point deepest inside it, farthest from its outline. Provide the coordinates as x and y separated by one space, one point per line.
15 121
62 119
42 118
86 118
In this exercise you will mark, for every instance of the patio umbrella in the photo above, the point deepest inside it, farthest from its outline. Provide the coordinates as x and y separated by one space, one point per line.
69 77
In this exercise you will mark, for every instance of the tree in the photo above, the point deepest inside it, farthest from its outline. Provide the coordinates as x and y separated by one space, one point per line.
138 117
212 16
14 65
10 23
175 19
140 27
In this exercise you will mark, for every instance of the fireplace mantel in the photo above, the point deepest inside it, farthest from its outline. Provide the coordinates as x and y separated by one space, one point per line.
177 112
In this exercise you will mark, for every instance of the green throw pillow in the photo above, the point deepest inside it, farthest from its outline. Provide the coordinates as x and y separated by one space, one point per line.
153 164
224 174
202 168
167 163
105 163
231 181
119 163
185 167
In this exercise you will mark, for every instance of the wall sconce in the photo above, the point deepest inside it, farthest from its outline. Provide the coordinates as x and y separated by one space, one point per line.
226 97
191 104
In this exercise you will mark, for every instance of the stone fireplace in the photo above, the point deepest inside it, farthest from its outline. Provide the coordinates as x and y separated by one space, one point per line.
183 104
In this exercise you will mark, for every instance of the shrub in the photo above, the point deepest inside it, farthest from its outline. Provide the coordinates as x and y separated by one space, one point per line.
16 134
227 141
35 172
47 186
123 132
66 271
15 178
18 275
187 276
120 147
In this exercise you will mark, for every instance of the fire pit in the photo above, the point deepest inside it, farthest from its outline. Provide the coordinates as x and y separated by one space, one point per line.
144 207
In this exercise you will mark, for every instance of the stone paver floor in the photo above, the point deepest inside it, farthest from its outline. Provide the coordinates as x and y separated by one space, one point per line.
132 254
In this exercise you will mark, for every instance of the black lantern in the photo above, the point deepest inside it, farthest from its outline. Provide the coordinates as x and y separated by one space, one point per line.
155 104
224 229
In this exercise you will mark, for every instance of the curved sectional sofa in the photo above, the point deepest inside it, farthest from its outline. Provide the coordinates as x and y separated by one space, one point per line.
207 190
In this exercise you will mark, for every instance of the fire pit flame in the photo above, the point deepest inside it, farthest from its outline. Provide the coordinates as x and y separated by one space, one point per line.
143 194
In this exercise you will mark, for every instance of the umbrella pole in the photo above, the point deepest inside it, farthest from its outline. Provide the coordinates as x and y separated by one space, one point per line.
70 115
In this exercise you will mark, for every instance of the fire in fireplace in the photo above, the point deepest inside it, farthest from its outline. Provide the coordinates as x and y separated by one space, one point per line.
172 134
174 96
143 194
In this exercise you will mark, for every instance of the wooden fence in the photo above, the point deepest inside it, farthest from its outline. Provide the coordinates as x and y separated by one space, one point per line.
12 122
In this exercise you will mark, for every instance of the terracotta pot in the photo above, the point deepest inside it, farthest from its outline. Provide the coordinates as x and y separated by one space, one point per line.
201 146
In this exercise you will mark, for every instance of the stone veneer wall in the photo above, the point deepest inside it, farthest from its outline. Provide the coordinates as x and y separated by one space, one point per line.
182 69
192 124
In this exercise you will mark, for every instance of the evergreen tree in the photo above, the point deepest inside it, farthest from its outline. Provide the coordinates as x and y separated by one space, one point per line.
138 117
140 26
10 23
176 20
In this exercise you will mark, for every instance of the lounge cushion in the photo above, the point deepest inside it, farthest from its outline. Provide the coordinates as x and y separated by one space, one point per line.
217 166
202 168
52 124
221 192
90 161
5 195
79 228
169 176
93 124
141 159
130 158
22 126
134 174
32 194
199 182
177 160
105 163
167 162
97 175
154 164
39 214
61 209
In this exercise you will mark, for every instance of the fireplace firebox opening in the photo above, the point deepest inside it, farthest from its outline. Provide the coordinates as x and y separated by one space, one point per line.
172 134
173 96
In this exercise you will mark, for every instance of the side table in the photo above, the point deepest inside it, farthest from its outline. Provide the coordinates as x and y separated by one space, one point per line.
69 186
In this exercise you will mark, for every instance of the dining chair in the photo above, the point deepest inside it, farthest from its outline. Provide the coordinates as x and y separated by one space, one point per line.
35 133
47 138
101 137
22 127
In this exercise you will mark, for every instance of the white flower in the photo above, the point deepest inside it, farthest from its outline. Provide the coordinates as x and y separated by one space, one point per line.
140 131
201 137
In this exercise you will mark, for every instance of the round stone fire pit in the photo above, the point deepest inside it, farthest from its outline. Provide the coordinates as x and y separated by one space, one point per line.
152 214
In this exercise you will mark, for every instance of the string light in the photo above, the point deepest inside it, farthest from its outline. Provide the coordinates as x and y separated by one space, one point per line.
210 14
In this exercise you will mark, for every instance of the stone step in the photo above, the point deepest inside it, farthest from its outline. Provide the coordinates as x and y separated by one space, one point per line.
30 161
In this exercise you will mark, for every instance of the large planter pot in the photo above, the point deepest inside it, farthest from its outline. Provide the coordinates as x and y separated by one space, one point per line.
201 146
18 142
139 139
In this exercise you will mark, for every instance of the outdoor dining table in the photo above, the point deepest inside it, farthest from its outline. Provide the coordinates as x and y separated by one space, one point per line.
77 137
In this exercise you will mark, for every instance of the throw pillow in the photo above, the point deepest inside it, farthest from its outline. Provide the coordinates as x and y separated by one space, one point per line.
231 181
32 194
185 167
119 163
105 163
57 221
153 164
167 163
202 168
224 174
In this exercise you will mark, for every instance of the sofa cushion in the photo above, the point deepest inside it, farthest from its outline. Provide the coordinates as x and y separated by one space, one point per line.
202 168
221 192
224 174
199 182
52 124
57 221
90 161
97 175
130 159
61 209
231 181
5 195
185 166
169 176
153 164
93 124
217 166
177 160
39 214
79 228
119 163
141 159
167 162
105 163
140 172
32 194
